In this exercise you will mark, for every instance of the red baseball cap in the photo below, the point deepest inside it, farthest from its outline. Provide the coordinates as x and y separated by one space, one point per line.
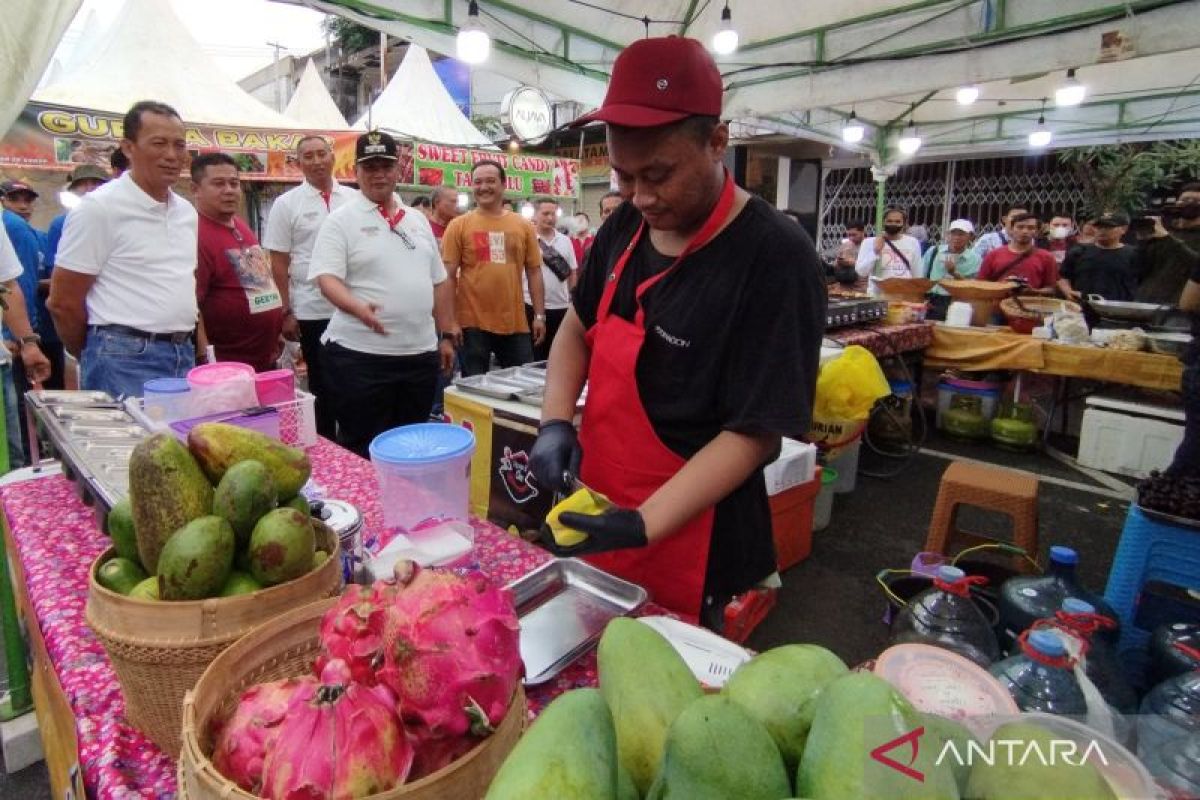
659 81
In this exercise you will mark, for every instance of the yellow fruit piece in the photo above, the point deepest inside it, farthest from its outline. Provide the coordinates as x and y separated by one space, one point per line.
584 501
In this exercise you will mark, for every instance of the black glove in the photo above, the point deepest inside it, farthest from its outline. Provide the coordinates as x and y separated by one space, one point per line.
555 452
615 529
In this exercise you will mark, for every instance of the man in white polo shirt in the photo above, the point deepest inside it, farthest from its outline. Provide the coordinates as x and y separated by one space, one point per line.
559 272
379 265
123 292
292 227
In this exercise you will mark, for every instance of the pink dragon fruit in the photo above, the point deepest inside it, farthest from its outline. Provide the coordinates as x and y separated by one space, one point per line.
338 741
353 630
242 741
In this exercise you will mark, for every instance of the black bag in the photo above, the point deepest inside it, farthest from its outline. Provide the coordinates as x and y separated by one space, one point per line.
555 261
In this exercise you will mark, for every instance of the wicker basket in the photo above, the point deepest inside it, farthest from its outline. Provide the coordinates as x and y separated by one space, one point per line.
159 649
284 647
1024 320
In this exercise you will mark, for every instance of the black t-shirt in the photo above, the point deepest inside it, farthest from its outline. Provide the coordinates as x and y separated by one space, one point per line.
733 341
1193 352
1112 274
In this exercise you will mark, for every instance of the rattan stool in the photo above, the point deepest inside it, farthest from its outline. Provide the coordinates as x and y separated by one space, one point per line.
1011 493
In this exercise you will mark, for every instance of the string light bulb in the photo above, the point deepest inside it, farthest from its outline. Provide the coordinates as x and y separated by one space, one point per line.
1041 135
853 131
967 95
1070 93
725 41
473 44
909 142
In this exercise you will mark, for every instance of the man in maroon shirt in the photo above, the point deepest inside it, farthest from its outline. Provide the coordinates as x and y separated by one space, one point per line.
1021 258
241 311
443 207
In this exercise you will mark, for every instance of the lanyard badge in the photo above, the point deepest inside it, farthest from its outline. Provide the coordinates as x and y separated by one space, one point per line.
393 222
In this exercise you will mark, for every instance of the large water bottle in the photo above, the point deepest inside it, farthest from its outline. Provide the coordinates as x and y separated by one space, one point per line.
945 616
1102 666
1176 766
1040 677
1170 711
1026 599
1174 650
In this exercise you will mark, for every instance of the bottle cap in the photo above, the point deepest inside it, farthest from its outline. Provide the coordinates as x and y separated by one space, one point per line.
950 574
1063 555
1073 605
1047 643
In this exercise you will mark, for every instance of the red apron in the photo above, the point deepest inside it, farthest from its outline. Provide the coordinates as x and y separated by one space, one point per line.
623 457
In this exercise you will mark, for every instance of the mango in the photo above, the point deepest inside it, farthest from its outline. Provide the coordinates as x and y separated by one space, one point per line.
319 558
956 732
855 715
716 751
779 688
147 589
239 583
646 685
1026 776
625 788
299 502
120 575
570 753
196 560
121 530
281 546
217 446
167 490
245 493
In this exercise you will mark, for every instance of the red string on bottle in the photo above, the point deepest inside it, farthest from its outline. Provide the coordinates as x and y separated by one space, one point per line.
1188 651
1059 662
1057 624
962 586
1086 624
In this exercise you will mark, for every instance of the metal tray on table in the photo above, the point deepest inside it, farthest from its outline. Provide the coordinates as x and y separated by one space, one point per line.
53 397
563 606
529 378
490 386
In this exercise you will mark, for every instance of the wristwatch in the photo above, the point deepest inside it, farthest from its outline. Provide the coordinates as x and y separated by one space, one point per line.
32 338
539 317
446 337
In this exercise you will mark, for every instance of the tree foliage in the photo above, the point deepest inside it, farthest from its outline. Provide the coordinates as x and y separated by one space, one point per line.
1120 178
349 35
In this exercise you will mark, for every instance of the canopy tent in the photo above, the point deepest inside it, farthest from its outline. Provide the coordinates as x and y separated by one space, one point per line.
29 32
802 68
147 53
311 104
416 104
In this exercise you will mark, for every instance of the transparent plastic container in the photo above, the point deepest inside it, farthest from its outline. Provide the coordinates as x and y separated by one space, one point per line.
1103 667
1038 686
424 473
941 617
275 386
222 386
166 399
1169 711
1026 599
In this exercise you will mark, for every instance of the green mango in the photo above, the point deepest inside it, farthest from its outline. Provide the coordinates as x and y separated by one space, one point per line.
570 753
1031 778
856 714
147 589
779 688
167 490
281 546
625 788
245 493
120 575
122 531
217 446
239 583
299 502
646 684
196 560
716 751
956 732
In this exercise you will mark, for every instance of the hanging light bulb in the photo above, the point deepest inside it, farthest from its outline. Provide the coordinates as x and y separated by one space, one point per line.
1041 135
967 95
853 131
1070 93
513 144
473 44
725 41
909 142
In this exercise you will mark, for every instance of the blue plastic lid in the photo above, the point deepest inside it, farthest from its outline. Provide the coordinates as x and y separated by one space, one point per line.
967 390
1063 555
1073 605
166 386
950 574
422 443
1047 644
900 387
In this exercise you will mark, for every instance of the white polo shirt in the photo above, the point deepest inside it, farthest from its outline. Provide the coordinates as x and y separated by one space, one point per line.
142 252
558 293
395 269
292 225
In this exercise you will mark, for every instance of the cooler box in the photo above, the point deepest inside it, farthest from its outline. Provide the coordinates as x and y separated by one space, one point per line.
1129 438
792 521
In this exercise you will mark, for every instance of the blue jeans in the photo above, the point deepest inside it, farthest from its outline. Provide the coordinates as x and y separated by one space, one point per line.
12 421
512 350
1187 455
119 363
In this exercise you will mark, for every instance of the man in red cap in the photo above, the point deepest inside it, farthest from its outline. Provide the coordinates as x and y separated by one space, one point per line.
697 325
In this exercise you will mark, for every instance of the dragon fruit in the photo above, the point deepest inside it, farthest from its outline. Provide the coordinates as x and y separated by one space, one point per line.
339 740
242 741
353 630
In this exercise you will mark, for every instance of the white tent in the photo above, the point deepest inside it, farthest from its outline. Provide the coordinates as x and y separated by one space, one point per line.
29 32
416 104
147 53
311 104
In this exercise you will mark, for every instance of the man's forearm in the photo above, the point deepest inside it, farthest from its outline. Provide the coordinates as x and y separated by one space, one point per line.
70 320
537 289
281 264
337 292
443 307
16 318
567 370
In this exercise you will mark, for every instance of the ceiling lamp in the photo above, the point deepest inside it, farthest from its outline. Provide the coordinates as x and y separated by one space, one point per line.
473 45
853 131
527 210
967 95
909 142
1041 135
1070 93
725 41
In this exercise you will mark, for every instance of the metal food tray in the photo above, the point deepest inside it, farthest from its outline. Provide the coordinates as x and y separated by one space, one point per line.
489 386
532 379
51 397
79 413
532 397
564 606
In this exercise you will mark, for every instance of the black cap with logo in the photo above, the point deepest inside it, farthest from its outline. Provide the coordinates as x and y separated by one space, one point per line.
375 144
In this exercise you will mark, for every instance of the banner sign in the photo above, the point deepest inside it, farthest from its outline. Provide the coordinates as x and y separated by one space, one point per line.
47 137
594 163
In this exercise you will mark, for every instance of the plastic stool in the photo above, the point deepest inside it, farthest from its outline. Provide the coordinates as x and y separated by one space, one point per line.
1005 491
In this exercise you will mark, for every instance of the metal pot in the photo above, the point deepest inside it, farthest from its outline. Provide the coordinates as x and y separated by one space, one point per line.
1126 311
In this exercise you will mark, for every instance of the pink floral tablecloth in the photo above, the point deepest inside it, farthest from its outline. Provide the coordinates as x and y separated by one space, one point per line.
56 540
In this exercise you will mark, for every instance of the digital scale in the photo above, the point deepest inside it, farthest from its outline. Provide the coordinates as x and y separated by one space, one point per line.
843 312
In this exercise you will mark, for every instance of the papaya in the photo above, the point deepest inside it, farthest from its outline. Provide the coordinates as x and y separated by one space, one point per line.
646 684
196 560
120 575
217 446
779 688
282 546
716 751
121 530
246 492
570 753
167 490
1016 774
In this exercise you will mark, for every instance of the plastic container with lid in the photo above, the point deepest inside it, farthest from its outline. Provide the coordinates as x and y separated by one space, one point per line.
222 386
275 386
945 616
347 522
846 467
424 472
823 506
1040 677
1174 650
166 399
938 681
1169 711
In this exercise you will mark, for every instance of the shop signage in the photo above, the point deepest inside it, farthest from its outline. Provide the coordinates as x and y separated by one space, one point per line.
525 113
594 162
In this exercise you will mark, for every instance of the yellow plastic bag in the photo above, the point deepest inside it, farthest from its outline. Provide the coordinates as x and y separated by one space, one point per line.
848 386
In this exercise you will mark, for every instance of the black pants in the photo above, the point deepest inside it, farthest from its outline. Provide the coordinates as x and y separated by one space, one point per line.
512 350
372 393
311 331
1187 455
554 318
58 367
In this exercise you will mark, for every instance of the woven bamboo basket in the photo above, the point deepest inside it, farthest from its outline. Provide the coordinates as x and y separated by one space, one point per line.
285 647
159 649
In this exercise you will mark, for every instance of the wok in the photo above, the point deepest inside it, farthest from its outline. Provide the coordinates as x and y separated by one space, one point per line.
1126 311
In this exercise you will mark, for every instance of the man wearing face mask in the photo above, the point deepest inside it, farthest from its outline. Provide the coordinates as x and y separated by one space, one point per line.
1168 255
895 254
581 236
1059 238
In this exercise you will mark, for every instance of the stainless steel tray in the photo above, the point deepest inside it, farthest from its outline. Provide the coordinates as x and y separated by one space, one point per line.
52 397
563 606
532 397
67 412
92 429
489 386
532 379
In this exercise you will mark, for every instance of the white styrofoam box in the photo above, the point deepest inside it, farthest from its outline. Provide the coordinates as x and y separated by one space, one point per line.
1129 438
797 463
